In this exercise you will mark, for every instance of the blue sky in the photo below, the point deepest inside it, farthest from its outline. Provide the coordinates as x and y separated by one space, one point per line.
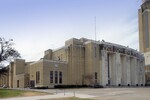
37 25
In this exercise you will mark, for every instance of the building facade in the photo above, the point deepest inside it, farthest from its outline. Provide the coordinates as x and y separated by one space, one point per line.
144 35
4 77
81 62
144 26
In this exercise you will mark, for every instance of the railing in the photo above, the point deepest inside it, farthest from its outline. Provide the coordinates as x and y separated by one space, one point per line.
65 92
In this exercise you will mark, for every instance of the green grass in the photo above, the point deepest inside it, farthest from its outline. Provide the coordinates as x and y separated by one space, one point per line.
7 93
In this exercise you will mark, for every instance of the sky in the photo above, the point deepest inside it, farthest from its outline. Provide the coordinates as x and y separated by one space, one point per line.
38 25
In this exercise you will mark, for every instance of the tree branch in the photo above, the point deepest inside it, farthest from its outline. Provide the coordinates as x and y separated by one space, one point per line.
7 52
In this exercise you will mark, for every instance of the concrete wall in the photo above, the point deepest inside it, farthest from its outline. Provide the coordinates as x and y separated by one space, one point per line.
60 54
92 61
36 67
49 65
48 54
11 74
76 62
19 66
16 72
19 78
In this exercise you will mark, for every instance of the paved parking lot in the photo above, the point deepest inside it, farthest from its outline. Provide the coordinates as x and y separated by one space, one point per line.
132 93
118 93
137 93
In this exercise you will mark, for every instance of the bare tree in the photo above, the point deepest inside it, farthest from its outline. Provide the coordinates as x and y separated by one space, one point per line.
7 52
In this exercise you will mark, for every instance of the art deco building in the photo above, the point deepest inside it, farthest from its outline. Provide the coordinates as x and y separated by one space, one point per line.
80 62
144 26
144 34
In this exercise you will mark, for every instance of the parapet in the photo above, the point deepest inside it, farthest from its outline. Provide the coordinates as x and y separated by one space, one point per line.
76 41
48 54
145 5
73 41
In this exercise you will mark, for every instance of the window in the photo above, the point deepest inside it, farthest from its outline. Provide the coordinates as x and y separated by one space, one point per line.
95 75
17 83
146 30
56 77
95 51
58 58
38 77
60 77
51 76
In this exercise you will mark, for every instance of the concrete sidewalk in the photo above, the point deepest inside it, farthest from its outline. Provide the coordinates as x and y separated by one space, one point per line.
59 95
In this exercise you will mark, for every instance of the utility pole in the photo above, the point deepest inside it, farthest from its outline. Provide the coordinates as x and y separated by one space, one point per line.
95 26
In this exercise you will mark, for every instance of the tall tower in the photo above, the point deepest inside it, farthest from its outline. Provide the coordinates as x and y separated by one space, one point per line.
144 26
144 36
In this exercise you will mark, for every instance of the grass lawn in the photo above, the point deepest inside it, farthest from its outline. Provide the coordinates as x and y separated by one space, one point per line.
72 98
7 93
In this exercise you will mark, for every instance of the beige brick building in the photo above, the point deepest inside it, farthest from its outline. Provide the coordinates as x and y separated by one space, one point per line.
144 35
80 62
144 26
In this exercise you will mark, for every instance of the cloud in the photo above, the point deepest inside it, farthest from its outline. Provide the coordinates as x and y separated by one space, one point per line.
123 33
35 29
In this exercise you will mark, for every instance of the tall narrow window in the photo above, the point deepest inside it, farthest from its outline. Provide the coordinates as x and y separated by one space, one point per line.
60 77
17 83
56 77
95 51
95 75
146 30
108 56
38 77
51 76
